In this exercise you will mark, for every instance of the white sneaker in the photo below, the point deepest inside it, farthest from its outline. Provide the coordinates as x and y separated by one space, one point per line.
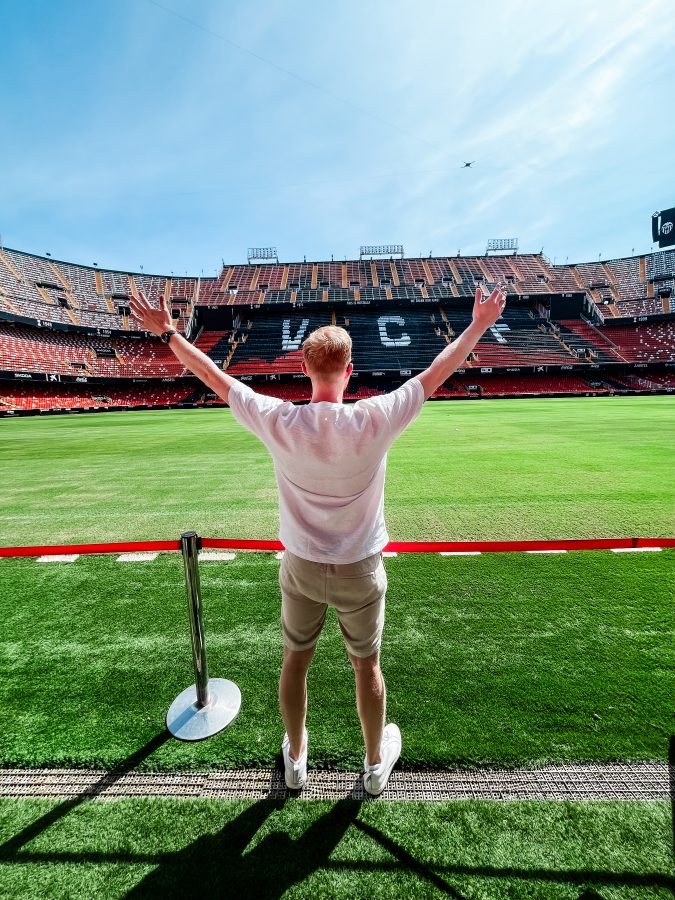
296 769
375 778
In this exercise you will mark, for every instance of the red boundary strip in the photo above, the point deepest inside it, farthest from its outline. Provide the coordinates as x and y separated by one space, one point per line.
393 546
236 544
656 542
127 547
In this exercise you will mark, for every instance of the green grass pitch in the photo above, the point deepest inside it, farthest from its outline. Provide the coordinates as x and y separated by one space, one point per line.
493 659
467 850
539 468
498 659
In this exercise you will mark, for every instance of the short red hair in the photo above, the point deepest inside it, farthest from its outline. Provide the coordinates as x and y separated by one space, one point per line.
327 352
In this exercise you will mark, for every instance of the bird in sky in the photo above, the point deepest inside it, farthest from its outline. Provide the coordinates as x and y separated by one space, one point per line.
467 165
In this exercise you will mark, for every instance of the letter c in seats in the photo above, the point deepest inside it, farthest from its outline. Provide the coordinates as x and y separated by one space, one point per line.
403 340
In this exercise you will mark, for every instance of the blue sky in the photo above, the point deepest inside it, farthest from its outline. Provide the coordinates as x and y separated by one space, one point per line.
172 134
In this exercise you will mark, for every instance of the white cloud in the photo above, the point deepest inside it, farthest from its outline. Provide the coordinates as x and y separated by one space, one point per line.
542 96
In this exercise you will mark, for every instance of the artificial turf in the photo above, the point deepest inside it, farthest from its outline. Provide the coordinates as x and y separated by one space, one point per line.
494 659
171 848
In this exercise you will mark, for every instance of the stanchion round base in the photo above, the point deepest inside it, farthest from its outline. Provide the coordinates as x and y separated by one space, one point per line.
189 722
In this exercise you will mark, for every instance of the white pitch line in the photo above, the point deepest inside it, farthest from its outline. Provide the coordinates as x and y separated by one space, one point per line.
279 554
635 549
146 556
546 551
66 557
460 552
389 553
209 556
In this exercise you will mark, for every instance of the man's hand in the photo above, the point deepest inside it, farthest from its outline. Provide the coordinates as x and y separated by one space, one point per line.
487 311
485 314
155 320
158 321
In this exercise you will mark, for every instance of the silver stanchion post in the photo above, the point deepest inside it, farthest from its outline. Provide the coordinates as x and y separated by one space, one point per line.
190 551
209 705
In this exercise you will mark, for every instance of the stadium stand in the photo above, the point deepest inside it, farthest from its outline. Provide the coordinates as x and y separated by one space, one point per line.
41 289
494 385
393 339
268 344
66 396
71 324
31 349
650 382
593 338
643 343
298 391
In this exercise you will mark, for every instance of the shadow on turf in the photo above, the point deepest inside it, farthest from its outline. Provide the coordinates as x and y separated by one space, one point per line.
222 865
11 846
217 865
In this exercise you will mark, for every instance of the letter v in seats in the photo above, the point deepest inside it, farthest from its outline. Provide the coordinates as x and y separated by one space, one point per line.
289 343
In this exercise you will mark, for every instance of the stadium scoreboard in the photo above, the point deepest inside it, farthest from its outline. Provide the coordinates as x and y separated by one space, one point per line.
663 228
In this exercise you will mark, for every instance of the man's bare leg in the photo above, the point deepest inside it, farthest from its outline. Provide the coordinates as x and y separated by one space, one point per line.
371 701
293 697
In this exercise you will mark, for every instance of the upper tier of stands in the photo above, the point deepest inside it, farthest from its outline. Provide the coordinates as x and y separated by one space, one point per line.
51 291
54 291
623 287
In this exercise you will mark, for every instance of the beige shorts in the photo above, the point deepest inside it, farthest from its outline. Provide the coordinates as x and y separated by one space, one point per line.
355 590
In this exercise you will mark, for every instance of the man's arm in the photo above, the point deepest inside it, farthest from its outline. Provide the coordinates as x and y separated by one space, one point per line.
485 313
158 321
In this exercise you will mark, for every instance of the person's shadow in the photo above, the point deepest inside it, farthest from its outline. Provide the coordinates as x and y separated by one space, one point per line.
215 865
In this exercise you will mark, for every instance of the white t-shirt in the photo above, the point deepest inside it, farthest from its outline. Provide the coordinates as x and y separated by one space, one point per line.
330 461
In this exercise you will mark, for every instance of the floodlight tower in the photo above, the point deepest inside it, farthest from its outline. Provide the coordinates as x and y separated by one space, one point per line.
256 255
389 250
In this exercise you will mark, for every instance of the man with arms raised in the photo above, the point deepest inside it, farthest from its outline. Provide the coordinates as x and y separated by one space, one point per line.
329 462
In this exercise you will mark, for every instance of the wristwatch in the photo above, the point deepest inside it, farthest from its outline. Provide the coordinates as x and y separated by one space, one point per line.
166 337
